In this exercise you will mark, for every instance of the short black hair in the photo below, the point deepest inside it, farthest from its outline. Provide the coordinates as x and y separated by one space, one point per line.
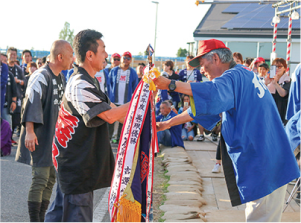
84 41
3 54
143 64
26 51
264 65
44 59
12 49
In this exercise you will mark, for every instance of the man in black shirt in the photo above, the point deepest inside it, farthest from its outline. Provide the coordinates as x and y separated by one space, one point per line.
81 149
27 58
19 79
39 114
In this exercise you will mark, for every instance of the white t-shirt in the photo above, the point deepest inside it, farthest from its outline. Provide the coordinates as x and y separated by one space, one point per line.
190 75
100 76
122 85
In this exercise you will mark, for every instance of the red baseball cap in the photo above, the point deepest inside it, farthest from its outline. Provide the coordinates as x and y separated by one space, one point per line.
127 53
205 46
115 55
259 59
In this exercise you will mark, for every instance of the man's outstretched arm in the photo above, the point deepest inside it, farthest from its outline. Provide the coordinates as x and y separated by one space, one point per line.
181 87
177 120
115 114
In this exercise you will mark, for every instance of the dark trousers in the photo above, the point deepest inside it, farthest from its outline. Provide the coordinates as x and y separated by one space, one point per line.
218 151
43 179
55 211
16 120
78 207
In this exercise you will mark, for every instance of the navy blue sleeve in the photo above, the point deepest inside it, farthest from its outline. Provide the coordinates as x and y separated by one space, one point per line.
4 75
181 74
111 83
135 82
199 76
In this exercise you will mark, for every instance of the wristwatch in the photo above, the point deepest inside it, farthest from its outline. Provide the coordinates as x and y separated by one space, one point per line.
172 86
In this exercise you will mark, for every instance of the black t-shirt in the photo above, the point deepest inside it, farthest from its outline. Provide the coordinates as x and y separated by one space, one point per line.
281 102
18 73
11 69
11 91
174 76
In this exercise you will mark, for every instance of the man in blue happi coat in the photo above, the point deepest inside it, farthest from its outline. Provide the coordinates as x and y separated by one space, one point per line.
122 82
257 159
293 125
173 136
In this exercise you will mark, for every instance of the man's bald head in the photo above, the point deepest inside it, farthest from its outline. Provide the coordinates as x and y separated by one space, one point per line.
59 47
61 56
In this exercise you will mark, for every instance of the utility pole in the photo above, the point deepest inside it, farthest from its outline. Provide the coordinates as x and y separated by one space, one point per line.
154 57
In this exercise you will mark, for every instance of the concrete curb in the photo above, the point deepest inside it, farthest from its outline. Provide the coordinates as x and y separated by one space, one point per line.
184 197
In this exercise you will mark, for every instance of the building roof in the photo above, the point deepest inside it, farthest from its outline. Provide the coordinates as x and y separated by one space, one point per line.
244 21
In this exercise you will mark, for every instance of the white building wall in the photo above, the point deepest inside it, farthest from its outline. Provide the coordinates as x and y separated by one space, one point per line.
295 55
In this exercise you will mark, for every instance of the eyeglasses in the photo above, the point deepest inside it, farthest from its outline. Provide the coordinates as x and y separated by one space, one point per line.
126 58
116 59
279 67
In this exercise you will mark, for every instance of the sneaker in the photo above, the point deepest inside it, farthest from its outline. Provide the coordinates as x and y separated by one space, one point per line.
297 198
13 142
214 137
201 138
216 168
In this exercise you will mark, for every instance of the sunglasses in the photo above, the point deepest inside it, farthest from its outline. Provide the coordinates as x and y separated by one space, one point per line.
126 58
116 59
279 67
40 63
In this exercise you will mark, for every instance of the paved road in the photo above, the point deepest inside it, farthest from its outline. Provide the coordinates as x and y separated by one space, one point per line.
15 183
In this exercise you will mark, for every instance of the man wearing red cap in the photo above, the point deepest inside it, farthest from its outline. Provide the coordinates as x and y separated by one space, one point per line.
257 159
123 81
115 61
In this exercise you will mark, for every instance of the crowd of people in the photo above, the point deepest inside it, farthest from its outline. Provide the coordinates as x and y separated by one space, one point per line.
39 99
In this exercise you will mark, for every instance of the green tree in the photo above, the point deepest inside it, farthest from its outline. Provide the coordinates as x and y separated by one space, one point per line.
182 52
66 33
140 54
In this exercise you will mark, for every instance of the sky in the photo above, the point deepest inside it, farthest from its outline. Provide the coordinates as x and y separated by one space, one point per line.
125 25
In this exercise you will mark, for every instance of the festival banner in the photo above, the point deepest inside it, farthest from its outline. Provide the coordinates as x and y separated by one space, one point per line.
130 196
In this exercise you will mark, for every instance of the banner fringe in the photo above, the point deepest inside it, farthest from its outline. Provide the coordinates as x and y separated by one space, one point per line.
128 211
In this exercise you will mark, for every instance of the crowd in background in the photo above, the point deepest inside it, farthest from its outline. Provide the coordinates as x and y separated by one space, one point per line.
118 80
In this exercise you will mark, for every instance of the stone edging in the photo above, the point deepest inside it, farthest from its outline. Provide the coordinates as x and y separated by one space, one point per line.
184 197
